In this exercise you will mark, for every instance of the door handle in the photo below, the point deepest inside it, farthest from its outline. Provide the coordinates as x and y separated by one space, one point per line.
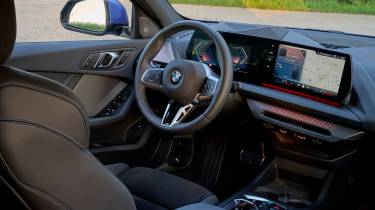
106 59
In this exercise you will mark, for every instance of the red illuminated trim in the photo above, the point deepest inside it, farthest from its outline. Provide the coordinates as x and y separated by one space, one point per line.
322 100
299 117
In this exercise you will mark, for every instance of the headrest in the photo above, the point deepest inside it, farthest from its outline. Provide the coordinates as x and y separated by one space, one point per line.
8 29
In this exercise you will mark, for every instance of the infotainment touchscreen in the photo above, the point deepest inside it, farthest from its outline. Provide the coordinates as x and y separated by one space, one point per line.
319 72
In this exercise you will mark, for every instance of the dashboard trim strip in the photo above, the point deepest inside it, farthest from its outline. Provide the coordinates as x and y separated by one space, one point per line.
299 117
322 100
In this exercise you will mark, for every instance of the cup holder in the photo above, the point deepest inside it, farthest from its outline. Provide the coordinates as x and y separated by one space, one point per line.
289 183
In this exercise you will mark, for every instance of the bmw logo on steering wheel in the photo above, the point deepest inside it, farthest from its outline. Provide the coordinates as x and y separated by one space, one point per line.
176 77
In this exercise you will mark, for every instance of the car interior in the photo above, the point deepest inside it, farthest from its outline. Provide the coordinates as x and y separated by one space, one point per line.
185 114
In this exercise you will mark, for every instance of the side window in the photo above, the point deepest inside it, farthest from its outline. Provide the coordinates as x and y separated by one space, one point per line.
39 21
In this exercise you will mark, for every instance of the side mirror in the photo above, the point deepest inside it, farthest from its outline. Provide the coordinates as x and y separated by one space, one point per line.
96 17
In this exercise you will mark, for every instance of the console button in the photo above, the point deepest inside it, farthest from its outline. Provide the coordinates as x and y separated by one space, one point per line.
113 107
153 76
283 131
300 137
317 141
209 87
270 58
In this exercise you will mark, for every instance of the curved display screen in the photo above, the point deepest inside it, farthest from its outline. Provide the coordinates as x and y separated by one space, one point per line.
319 74
309 69
204 51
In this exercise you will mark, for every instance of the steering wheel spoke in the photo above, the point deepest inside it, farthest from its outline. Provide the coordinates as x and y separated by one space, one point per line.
209 86
152 78
175 113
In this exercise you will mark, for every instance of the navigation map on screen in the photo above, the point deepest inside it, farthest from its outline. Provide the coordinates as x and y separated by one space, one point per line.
309 69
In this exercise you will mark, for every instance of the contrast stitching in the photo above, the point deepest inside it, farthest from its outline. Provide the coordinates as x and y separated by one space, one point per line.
41 126
37 191
16 194
52 94
70 140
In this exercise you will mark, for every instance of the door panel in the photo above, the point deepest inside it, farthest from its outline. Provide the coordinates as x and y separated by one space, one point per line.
96 92
106 92
67 79
64 62
67 57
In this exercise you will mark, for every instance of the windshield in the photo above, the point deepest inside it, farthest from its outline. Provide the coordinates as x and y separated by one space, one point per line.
350 16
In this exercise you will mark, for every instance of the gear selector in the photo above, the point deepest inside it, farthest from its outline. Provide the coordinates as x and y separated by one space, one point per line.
249 202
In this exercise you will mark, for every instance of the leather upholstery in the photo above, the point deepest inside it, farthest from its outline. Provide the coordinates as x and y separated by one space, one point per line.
43 147
28 97
44 138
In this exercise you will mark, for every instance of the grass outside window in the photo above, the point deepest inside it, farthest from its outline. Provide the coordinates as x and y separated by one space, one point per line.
330 6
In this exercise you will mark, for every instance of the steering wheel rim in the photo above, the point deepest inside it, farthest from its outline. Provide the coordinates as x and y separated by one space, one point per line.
219 94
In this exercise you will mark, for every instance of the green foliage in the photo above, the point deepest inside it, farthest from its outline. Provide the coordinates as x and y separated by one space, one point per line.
230 3
332 6
277 4
88 26
343 6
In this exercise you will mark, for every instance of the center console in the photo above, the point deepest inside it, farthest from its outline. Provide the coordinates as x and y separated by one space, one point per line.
284 184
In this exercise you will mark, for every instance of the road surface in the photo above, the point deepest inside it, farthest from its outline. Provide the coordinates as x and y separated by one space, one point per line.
38 20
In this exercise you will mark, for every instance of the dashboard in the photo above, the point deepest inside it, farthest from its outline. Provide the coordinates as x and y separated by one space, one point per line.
313 91
310 72
310 76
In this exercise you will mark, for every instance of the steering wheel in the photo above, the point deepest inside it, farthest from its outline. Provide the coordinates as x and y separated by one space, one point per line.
186 83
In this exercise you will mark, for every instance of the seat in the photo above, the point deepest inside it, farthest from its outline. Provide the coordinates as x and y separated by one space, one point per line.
153 189
44 156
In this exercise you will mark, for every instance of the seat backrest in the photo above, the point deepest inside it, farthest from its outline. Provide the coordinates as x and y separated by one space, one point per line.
44 137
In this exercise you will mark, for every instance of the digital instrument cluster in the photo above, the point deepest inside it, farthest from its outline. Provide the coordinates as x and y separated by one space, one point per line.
204 51
302 70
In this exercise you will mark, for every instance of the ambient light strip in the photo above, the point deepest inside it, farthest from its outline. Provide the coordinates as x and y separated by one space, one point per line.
322 100
298 117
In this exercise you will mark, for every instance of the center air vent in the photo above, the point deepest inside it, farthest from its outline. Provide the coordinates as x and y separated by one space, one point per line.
333 46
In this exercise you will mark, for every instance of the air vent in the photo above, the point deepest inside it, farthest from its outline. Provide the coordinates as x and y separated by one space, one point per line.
333 46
